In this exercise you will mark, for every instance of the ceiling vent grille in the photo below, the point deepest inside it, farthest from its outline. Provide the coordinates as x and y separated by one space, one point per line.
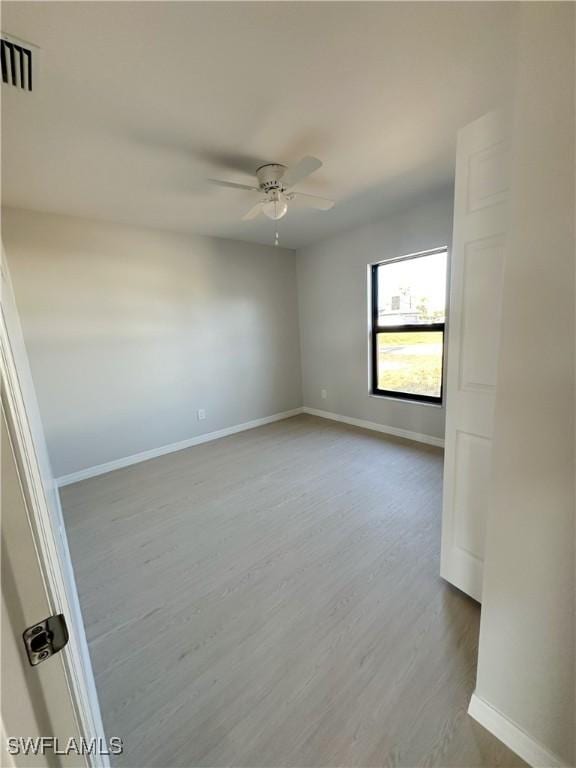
16 59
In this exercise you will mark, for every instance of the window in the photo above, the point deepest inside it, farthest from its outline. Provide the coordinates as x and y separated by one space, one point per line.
408 316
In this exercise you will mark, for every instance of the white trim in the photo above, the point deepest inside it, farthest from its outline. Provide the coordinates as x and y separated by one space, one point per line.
375 427
509 733
82 661
136 458
126 461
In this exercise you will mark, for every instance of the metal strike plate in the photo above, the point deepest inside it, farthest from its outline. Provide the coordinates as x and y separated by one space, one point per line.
45 638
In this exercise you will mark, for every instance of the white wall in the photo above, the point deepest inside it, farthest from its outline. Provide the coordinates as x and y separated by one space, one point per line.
130 331
333 305
526 657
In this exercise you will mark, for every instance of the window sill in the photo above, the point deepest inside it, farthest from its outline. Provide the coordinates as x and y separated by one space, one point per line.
406 400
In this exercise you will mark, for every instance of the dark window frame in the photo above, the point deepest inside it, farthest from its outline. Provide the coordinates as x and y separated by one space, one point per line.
375 329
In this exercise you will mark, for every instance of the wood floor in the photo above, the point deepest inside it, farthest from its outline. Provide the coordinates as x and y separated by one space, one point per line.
273 599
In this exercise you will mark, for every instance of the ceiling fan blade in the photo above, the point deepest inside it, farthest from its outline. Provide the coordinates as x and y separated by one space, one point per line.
300 171
312 201
253 212
233 185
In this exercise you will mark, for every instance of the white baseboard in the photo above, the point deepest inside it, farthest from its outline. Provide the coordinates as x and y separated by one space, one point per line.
406 433
512 735
110 466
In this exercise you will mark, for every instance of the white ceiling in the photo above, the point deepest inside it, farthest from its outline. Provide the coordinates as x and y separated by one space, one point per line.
138 103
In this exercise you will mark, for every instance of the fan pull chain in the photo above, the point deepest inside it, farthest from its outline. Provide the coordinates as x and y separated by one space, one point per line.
276 238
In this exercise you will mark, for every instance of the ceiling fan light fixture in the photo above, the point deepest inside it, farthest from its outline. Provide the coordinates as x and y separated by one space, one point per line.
276 205
275 188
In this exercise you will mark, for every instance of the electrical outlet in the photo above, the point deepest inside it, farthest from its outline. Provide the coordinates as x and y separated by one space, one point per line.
323 394
201 414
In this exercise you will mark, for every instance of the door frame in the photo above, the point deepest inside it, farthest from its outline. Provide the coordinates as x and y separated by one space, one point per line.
47 530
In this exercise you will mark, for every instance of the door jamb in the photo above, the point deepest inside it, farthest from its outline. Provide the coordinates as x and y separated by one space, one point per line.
57 575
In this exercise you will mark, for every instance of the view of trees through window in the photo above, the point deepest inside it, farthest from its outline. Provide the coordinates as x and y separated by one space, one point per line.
408 317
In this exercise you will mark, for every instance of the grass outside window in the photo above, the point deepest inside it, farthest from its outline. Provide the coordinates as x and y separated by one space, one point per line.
408 320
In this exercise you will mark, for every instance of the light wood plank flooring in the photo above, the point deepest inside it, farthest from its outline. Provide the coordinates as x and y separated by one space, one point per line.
273 599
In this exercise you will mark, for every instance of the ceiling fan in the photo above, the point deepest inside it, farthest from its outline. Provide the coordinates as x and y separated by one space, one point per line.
275 185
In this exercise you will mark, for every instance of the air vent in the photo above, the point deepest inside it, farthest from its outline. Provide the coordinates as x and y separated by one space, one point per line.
17 65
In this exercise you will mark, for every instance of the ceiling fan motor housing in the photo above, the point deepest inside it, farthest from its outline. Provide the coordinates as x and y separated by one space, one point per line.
269 177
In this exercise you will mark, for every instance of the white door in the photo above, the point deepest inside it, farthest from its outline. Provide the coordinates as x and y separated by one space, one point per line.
57 698
477 262
28 693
